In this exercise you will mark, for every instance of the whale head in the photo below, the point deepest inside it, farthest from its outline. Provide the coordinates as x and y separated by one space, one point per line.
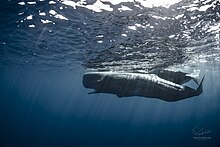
92 80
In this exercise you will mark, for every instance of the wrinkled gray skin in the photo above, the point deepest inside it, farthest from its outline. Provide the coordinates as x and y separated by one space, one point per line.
176 77
162 84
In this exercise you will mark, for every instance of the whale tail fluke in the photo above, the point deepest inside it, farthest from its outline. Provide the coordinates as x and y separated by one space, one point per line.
199 90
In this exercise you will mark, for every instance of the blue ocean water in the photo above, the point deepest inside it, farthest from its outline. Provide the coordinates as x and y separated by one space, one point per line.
47 46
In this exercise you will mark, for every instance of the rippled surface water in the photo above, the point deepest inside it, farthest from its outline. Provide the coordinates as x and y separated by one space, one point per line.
47 46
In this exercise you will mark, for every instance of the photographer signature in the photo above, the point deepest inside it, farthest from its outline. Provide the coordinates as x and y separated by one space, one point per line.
201 131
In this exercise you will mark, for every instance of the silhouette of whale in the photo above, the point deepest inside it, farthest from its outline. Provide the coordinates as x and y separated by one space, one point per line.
161 84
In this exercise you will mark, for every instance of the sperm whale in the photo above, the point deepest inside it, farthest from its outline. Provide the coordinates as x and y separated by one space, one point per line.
145 85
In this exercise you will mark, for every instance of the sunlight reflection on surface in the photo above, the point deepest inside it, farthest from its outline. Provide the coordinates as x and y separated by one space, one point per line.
127 34
147 3
99 5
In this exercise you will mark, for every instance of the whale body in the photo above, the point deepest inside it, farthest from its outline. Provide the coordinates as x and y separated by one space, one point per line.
145 85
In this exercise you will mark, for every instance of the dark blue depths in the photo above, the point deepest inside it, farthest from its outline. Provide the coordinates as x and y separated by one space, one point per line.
52 108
